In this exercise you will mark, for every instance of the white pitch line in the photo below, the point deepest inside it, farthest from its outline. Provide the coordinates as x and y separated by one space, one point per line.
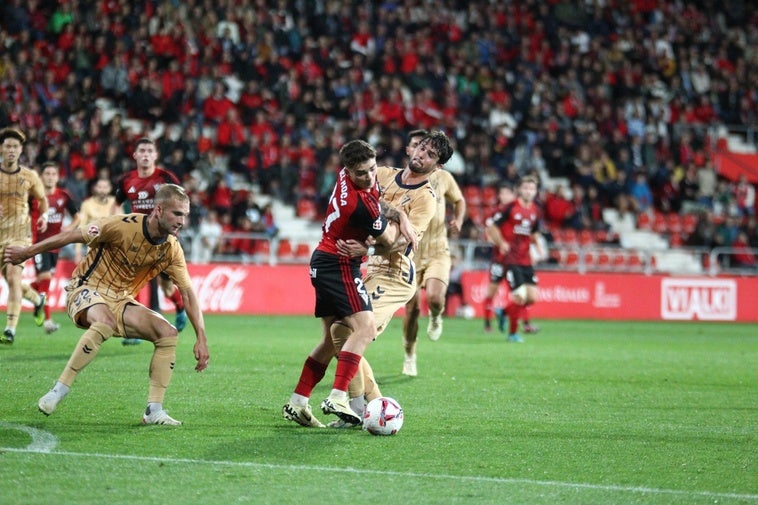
390 473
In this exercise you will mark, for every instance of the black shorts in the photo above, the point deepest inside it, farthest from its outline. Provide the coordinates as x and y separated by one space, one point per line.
45 262
164 276
516 275
339 285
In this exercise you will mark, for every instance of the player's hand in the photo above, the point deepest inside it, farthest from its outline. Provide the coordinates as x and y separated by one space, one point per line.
42 224
505 247
351 248
15 254
455 230
201 355
407 231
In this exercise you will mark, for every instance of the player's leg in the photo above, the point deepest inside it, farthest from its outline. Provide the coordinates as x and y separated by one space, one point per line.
489 304
101 323
12 274
173 294
298 409
531 298
436 290
410 333
348 363
44 263
145 324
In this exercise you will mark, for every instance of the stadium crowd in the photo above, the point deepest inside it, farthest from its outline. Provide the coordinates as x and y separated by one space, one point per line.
615 97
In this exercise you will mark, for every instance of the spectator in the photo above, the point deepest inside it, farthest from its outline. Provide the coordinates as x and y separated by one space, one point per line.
207 238
641 192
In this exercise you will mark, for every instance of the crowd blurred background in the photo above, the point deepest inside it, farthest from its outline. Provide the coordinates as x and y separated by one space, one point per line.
612 103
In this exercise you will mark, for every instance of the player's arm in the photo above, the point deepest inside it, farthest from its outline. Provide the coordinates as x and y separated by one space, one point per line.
405 227
18 254
38 193
459 214
195 316
493 234
454 196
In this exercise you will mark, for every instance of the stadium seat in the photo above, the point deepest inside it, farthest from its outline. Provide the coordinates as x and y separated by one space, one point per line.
619 261
586 237
472 195
689 223
633 260
603 260
675 240
569 236
643 221
674 222
306 209
571 259
489 196
302 251
659 223
600 236
284 249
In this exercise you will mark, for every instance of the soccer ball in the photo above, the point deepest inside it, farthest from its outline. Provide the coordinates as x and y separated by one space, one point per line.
383 416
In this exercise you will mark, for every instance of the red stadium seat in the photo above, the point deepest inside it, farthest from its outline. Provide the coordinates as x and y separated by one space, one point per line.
569 236
659 223
284 249
586 237
472 195
603 260
634 260
674 223
675 240
302 251
643 221
489 196
571 259
689 223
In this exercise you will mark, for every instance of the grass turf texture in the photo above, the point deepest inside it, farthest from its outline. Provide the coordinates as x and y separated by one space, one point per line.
582 413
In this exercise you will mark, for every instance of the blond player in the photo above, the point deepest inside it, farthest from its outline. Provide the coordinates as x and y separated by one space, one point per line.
17 185
125 252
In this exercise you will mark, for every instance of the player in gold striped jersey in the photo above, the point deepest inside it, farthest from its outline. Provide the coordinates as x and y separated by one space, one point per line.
17 185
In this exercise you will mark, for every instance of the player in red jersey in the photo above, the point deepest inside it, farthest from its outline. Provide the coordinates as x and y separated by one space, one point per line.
138 187
59 202
512 230
353 213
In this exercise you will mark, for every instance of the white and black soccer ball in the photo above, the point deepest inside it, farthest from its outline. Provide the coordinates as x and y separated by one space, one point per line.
383 416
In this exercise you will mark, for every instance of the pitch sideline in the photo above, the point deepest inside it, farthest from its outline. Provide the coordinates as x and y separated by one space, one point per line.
45 443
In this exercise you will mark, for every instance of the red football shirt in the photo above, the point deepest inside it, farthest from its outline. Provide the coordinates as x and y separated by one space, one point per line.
140 191
517 224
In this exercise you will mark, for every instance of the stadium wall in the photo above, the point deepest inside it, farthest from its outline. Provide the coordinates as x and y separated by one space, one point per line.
286 290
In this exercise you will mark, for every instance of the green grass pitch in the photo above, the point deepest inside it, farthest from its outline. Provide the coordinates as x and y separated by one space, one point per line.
582 413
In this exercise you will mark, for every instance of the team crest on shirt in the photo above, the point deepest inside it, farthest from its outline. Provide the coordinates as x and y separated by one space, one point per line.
378 224
93 230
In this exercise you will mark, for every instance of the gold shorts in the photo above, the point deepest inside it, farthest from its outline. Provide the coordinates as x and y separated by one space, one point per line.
434 267
388 293
79 299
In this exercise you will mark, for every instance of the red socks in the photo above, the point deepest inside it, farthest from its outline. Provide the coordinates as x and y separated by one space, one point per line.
43 286
312 373
347 367
176 297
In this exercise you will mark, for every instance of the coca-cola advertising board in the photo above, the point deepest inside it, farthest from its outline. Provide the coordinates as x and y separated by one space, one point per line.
286 290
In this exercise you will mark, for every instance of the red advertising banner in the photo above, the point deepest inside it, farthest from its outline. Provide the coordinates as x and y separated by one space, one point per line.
629 297
286 290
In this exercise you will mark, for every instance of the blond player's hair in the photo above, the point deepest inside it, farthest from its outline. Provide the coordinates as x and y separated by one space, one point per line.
170 192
